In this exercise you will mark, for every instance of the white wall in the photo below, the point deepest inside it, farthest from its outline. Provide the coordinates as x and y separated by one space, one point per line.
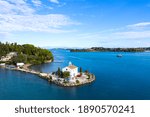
73 72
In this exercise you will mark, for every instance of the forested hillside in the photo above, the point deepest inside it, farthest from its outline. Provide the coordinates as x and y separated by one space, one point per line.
26 53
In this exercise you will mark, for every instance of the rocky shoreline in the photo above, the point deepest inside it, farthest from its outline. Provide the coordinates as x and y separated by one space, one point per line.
75 84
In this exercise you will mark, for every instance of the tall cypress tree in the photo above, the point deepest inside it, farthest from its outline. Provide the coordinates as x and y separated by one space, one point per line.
80 70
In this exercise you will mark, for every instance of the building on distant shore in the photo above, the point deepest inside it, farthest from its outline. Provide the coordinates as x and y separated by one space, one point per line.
2 64
20 65
72 69
5 58
8 56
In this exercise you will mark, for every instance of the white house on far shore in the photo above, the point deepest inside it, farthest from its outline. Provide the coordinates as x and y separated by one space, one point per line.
2 64
72 69
20 65
8 56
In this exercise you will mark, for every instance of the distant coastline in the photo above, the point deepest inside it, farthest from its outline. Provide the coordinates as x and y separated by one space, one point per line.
102 49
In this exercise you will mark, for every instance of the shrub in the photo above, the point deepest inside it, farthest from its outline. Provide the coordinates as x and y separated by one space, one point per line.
77 81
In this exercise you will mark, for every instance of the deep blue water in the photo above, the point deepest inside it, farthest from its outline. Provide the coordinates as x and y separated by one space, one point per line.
116 78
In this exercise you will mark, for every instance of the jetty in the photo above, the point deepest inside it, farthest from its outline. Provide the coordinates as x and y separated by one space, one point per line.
85 78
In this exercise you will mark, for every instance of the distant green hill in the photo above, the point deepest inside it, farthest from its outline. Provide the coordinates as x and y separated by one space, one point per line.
26 53
102 49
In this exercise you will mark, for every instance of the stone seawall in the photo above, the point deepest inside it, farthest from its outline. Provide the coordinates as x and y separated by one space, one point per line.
52 78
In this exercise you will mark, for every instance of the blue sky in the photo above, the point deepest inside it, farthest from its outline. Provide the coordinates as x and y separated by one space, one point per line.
76 23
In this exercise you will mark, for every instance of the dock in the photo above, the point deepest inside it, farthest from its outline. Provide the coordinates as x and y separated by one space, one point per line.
55 79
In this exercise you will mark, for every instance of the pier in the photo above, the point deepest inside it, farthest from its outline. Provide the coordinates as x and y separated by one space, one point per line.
55 79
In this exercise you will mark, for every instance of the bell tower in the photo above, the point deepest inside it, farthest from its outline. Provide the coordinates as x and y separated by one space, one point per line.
70 63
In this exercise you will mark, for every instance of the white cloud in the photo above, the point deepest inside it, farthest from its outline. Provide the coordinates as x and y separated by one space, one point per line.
140 25
54 1
37 2
120 34
132 35
43 23
15 7
16 1
18 15
134 31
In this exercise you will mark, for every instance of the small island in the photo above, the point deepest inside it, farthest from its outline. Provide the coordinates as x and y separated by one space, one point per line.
70 76
20 57
102 49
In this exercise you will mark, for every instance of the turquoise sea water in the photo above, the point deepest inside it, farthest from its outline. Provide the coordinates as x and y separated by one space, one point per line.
116 78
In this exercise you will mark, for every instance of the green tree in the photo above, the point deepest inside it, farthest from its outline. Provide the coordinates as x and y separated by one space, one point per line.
59 72
19 58
77 81
80 70
26 53
89 76
66 74
61 75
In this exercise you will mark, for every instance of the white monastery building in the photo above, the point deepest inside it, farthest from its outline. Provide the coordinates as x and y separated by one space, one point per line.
72 69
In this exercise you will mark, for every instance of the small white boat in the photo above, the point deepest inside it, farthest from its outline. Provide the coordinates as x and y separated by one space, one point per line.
119 55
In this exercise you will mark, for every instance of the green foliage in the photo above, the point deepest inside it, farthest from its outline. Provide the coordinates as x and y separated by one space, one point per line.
19 58
66 74
27 53
89 76
77 81
59 72
101 49
80 70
